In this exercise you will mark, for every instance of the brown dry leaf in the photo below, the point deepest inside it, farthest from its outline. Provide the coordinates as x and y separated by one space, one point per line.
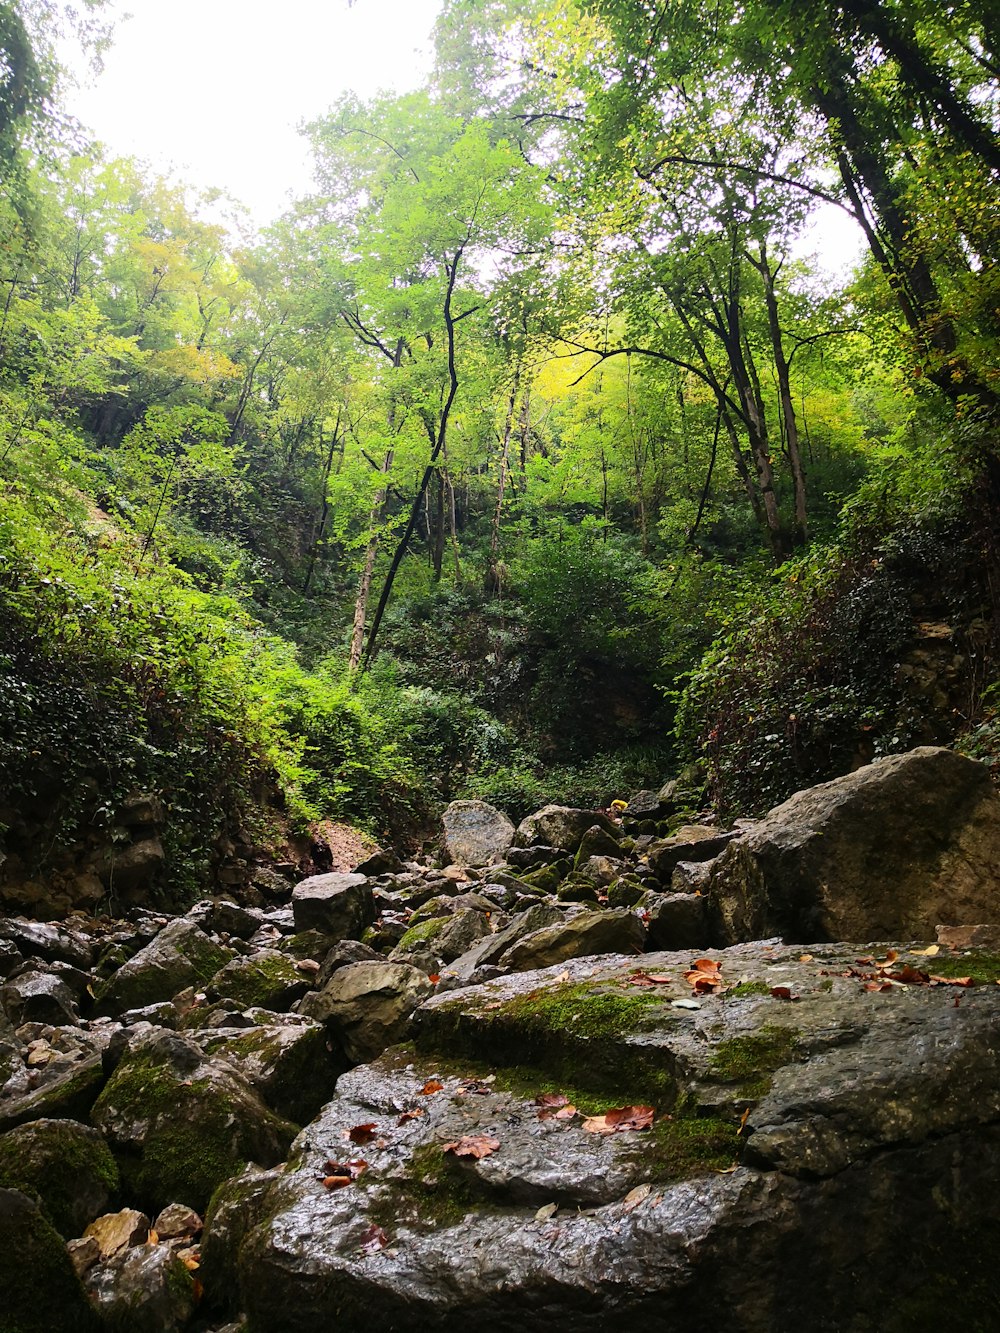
472 1145
954 981
152 1238
546 1211
362 1133
909 976
705 975
620 1119
432 1085
929 952
877 985
339 1174
566 1112
373 1239
648 979
636 1196
890 958
563 976
414 1114
189 1262
783 993
551 1099
805 958
743 1120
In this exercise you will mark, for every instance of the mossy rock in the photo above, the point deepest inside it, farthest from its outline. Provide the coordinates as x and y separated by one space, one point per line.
181 955
423 932
268 979
292 1068
750 1060
41 1292
179 1124
67 1093
65 1165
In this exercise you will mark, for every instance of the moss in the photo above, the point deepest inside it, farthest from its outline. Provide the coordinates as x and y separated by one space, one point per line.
423 932
750 1060
41 1292
196 1137
64 1165
983 967
436 1191
265 980
747 988
681 1147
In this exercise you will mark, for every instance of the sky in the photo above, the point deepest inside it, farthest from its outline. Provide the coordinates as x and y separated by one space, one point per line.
215 88
212 91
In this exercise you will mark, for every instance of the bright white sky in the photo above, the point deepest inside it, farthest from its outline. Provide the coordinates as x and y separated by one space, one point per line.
215 88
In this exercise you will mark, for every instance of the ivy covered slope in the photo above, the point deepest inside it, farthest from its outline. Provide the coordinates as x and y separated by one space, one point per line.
446 483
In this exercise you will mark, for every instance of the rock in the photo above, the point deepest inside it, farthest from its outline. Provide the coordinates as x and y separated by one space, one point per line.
601 870
692 876
53 943
180 1123
141 808
560 826
62 1088
84 1252
475 833
41 1290
38 997
180 955
585 934
676 921
526 858
380 863
449 906
339 905
691 842
577 890
223 916
289 1065
342 953
645 805
889 851
597 842
237 1207
65 1165
964 937
176 1221
866 1162
447 937
489 950
143 1290
134 866
268 978
367 1006
115 1232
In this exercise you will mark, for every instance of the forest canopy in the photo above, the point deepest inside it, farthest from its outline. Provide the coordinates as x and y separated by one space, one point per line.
532 454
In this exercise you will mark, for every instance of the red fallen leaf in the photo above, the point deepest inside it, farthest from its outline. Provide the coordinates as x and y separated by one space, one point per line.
339 1174
472 1145
413 1114
706 965
953 981
362 1133
783 993
705 975
648 979
373 1240
432 1085
622 1118
434 978
890 958
910 976
877 985
566 1112
551 1099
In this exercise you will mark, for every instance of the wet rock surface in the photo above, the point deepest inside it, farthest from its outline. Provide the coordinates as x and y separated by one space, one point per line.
535 1092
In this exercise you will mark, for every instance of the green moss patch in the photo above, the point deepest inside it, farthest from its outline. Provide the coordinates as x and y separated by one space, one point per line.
982 967
750 1060
423 932
65 1165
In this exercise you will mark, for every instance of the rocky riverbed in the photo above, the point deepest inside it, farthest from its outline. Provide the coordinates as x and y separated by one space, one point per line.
536 1081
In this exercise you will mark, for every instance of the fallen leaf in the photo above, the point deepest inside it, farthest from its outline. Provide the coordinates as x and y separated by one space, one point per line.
432 1085
190 1262
622 1118
805 958
152 1238
413 1114
563 976
339 1174
472 1145
743 1120
546 1211
434 977
954 981
475 1085
909 976
636 1196
362 1133
877 985
783 993
929 952
564 1112
373 1240
648 979
551 1099
705 975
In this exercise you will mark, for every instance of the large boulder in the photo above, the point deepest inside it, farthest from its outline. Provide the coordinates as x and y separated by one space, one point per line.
144 1289
288 1063
179 1123
267 978
65 1165
475 833
367 1006
41 1290
804 1157
584 934
181 955
887 852
340 905
561 826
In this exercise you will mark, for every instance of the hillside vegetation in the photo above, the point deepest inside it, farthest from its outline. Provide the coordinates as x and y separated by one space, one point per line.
531 456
